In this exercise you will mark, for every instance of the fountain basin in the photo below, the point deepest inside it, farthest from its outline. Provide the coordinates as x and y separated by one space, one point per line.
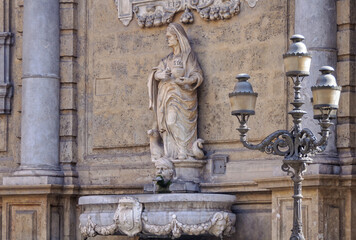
170 215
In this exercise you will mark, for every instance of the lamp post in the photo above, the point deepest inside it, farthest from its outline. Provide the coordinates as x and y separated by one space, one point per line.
297 145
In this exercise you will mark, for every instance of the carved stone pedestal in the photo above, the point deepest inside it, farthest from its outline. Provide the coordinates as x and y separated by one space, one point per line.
188 169
184 187
188 173
38 212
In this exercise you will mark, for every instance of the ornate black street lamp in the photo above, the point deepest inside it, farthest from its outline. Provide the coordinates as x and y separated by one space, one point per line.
300 143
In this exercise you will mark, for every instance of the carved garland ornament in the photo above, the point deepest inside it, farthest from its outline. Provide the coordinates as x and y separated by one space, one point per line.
218 225
129 219
154 13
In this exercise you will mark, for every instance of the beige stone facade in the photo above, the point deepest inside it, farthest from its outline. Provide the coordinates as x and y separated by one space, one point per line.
103 146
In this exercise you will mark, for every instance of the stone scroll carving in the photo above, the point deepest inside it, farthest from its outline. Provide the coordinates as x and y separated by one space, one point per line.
154 13
5 83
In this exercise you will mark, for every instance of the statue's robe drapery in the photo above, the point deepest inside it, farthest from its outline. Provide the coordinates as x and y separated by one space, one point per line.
175 106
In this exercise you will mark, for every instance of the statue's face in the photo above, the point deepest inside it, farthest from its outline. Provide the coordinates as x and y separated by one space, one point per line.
165 172
171 39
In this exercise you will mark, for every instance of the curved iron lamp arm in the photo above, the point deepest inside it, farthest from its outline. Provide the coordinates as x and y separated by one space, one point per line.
292 144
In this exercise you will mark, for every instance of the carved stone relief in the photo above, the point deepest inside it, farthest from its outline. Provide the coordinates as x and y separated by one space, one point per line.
153 13
172 90
128 214
252 3
127 219
220 224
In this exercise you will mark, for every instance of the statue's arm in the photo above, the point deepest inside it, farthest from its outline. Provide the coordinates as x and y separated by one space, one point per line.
161 72
188 80
195 77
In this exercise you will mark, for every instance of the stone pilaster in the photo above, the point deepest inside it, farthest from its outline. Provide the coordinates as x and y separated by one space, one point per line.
316 21
40 96
346 131
68 90
346 66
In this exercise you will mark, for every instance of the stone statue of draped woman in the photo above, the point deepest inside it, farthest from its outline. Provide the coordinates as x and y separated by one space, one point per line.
173 99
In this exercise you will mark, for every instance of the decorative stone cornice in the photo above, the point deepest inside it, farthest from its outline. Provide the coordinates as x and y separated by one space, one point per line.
154 13
6 90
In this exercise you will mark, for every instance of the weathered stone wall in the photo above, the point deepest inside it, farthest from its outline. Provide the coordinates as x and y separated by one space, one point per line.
104 118
114 64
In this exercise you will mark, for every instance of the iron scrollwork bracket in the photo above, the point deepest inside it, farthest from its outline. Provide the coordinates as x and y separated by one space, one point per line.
278 143
293 145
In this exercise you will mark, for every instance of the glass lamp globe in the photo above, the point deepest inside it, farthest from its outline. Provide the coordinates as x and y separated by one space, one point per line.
243 99
326 94
297 60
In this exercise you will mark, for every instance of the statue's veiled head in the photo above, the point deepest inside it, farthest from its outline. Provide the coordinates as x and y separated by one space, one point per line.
176 34
172 39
